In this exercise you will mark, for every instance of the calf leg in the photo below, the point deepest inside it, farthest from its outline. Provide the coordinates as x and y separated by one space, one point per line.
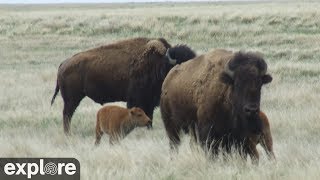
267 143
114 138
98 137
253 153
266 137
99 133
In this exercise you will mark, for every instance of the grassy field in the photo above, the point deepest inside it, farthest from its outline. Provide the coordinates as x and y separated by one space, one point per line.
35 39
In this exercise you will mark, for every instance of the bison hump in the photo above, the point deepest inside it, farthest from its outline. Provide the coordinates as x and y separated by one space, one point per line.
155 47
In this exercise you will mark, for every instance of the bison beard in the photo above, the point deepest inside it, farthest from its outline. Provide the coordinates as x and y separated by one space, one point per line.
132 70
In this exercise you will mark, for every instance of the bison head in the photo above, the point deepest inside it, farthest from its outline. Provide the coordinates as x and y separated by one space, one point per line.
139 117
246 73
179 54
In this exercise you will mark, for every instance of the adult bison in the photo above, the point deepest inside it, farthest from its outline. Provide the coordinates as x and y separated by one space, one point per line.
216 96
130 70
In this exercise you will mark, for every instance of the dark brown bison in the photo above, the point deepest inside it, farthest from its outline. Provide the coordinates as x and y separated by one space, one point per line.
216 96
131 70
119 122
264 138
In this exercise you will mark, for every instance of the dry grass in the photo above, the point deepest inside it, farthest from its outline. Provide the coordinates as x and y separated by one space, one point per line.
35 39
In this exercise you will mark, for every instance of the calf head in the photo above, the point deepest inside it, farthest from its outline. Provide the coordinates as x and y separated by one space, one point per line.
246 74
139 118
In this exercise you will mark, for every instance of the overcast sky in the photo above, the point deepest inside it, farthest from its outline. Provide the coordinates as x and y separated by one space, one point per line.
77 1
95 1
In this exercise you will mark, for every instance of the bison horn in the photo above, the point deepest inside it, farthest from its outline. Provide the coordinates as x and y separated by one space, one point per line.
228 71
171 61
262 65
264 69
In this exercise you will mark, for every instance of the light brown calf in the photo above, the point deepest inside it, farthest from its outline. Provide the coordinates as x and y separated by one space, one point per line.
118 122
265 139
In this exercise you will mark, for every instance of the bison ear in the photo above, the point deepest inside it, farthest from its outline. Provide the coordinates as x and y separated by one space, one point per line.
266 78
225 78
131 111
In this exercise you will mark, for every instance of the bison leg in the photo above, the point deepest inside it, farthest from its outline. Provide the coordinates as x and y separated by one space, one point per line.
98 137
71 102
172 132
194 134
253 152
68 111
99 133
171 129
205 132
114 138
174 138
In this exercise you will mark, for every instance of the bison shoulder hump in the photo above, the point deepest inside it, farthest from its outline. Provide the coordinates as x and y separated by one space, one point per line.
155 46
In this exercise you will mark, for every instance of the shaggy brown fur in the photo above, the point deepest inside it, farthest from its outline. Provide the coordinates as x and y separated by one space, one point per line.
217 96
119 122
131 70
265 139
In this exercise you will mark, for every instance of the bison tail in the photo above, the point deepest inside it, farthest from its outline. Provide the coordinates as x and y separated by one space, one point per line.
55 93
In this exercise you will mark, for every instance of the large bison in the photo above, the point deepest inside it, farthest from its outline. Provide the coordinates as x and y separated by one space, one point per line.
130 70
216 96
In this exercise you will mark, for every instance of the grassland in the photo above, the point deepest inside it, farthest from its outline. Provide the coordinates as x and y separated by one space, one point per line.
35 39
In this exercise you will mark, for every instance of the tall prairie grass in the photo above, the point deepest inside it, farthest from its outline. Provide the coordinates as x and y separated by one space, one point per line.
34 39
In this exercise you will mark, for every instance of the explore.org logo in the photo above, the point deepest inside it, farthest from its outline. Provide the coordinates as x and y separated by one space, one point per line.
39 168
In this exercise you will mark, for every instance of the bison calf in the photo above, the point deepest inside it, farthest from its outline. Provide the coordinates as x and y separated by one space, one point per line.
118 122
264 138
